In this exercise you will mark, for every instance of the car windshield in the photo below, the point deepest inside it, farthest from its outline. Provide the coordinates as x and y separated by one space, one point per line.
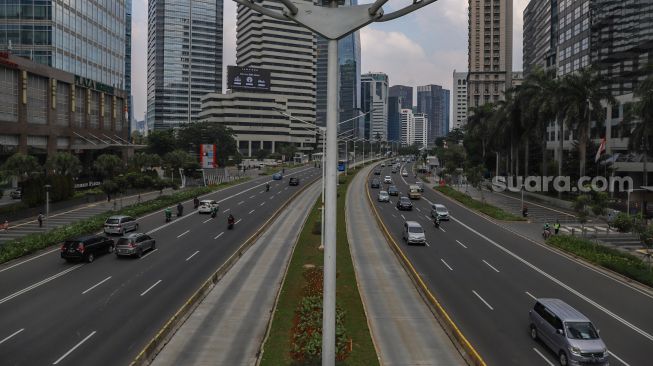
113 221
123 241
415 229
405 200
441 209
581 330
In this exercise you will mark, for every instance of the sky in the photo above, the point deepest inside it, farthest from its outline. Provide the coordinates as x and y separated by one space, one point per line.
418 49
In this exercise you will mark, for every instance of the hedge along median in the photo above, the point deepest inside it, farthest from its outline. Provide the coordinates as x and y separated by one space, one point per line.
31 243
294 337
623 263
487 209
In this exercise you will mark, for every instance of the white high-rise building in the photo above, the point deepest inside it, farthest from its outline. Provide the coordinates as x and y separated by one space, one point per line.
289 51
407 127
420 129
374 97
459 107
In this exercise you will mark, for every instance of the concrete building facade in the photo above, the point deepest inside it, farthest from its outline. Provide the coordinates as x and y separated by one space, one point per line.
407 127
374 99
405 94
459 99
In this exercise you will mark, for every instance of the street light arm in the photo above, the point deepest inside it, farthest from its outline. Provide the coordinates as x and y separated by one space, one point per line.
272 14
417 4
378 4
291 7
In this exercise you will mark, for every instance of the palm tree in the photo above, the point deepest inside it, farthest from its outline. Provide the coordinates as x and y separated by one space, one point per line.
108 165
642 111
479 124
64 163
21 166
509 130
581 96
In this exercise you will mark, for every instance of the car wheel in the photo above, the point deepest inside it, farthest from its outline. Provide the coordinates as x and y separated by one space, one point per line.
111 249
533 333
90 257
139 254
562 357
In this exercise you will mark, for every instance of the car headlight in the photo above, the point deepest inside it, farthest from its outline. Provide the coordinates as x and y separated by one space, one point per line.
575 351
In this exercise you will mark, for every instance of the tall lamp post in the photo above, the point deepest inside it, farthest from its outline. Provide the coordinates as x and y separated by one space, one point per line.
47 206
332 23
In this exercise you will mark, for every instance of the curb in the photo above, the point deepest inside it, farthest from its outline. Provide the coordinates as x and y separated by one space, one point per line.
469 353
162 337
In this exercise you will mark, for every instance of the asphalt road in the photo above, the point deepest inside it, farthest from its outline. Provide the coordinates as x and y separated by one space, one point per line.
487 278
103 313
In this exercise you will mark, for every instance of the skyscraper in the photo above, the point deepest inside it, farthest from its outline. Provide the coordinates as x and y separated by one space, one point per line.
420 129
459 99
405 94
490 51
394 118
184 59
434 101
374 98
289 52
540 35
85 38
128 62
407 127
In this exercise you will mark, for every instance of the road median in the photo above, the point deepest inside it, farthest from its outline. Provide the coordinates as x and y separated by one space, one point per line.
482 207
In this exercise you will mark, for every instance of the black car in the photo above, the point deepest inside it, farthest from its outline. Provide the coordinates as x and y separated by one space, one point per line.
375 183
86 248
293 181
377 172
393 191
404 204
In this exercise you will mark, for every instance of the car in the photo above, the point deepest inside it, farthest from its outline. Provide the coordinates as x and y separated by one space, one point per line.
404 173
86 248
413 233
387 180
569 334
382 165
277 176
206 206
394 170
16 193
134 245
375 183
383 196
404 204
413 192
439 210
120 224
293 181
393 191
377 172
420 185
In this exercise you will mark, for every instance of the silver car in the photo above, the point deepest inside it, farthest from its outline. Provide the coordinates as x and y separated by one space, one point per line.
134 244
570 334
384 196
413 233
439 210
120 224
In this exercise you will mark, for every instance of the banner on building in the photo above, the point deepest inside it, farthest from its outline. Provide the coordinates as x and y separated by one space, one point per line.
248 78
208 156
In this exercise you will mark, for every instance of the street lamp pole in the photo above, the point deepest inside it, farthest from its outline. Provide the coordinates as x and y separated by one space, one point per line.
47 206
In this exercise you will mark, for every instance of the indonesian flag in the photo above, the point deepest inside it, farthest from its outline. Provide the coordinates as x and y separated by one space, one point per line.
600 151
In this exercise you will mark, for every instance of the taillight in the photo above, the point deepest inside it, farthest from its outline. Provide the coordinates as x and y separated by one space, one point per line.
80 248
62 247
131 244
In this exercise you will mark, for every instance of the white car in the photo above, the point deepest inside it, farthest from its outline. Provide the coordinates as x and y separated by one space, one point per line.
387 180
404 173
207 205
440 210
384 196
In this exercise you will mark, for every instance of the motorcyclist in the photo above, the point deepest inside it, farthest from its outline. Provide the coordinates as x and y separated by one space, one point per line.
214 211
168 213
196 202
524 211
436 221
231 221
180 209
547 230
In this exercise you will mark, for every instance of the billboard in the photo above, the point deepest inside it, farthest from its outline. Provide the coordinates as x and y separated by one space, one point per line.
248 78
208 158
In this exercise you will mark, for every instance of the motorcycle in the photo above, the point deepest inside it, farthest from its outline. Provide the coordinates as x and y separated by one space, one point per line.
436 222
214 213
168 216
196 203
546 233
230 222
267 187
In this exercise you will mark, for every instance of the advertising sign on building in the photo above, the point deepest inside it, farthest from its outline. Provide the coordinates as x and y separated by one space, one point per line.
208 158
248 78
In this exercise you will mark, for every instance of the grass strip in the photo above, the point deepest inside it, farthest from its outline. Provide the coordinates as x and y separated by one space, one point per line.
465 199
31 243
623 263
278 347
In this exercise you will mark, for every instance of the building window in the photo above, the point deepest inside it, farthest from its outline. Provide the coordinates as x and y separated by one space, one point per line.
37 99
8 95
63 104
94 117
79 107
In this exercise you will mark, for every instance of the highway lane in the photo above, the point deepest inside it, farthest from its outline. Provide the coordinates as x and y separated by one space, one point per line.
104 313
486 277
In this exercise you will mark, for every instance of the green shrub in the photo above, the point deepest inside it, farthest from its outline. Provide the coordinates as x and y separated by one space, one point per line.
623 222
485 208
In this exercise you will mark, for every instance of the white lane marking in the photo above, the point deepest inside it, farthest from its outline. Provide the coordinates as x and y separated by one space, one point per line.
560 283
239 220
531 295
227 210
543 357
240 203
151 287
29 260
482 299
417 208
219 235
446 264
444 231
182 234
403 217
620 360
427 200
260 192
271 198
252 196
11 335
461 244
250 212
74 348
262 203
427 244
279 193
427 217
491 266
148 254
285 189
205 221
96 285
192 255
394 216
42 282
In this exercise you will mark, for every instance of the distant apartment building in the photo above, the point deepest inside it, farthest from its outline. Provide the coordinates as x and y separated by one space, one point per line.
374 99
420 129
184 59
434 102
407 127
490 51
459 108
405 94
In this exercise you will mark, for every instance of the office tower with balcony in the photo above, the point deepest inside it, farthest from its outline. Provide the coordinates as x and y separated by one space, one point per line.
459 110
374 99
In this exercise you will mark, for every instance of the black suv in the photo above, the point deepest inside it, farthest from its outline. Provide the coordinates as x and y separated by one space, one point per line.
404 204
393 191
293 181
85 248
377 172
375 183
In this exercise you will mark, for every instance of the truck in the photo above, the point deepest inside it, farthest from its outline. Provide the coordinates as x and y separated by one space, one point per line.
414 192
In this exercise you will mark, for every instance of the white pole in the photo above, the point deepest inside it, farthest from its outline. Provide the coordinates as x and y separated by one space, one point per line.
323 176
329 304
47 209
